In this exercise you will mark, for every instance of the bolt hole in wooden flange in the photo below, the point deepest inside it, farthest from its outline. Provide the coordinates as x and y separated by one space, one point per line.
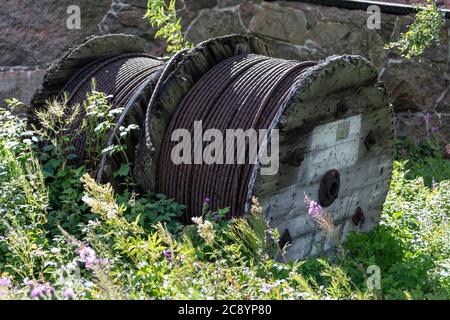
329 188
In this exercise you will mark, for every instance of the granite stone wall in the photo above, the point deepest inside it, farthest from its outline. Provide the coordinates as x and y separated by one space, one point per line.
34 33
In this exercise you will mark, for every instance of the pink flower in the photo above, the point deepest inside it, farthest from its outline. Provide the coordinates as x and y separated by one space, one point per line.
314 209
38 291
41 290
266 288
427 118
28 283
68 293
86 252
167 254
5 282
89 257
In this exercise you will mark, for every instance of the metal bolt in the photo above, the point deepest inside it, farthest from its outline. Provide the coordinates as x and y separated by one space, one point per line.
297 157
285 238
358 217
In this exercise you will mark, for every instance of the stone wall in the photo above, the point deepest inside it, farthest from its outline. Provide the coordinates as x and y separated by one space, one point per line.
34 33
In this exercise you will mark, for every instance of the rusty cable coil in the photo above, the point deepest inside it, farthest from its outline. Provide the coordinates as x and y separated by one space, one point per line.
241 92
119 76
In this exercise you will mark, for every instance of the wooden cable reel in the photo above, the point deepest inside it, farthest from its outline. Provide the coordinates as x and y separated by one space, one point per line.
336 146
335 138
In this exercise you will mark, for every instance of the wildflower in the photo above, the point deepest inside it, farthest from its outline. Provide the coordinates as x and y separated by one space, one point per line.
71 266
321 217
266 288
55 250
256 208
314 209
109 209
434 185
167 254
5 282
197 220
41 290
434 130
38 253
89 256
68 293
28 283
182 257
100 198
37 292
427 118
205 229
206 200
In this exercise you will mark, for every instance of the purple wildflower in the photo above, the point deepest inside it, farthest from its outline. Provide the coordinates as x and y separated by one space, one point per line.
167 254
427 118
68 293
314 209
5 282
28 283
266 288
89 256
206 200
38 291
41 290
434 130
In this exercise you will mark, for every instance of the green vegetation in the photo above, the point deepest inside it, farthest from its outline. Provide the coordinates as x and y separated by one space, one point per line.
422 33
163 15
63 236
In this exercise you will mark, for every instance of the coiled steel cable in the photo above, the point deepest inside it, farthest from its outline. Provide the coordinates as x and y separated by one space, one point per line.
118 76
241 92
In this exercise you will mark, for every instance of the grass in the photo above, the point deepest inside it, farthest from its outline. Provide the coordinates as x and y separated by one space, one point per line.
90 243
